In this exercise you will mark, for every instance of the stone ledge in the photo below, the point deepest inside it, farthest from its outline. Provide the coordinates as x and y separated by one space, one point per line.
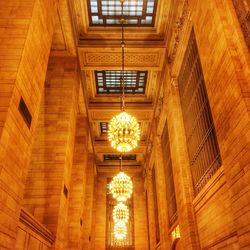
32 223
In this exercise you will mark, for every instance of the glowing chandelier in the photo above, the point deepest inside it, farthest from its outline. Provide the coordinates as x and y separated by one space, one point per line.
120 213
124 131
120 230
121 187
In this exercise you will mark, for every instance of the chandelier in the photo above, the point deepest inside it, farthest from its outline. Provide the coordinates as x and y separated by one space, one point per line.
124 131
120 213
120 230
121 187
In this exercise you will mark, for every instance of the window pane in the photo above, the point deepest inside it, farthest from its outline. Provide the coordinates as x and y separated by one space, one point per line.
109 81
136 12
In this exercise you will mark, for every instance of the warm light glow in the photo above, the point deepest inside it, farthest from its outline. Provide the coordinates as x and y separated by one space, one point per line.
124 132
176 233
120 230
121 187
120 213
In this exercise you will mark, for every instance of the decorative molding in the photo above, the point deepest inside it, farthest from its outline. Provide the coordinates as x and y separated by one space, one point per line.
150 147
216 242
110 58
174 82
174 86
178 30
149 174
209 190
242 10
32 223
159 106
106 115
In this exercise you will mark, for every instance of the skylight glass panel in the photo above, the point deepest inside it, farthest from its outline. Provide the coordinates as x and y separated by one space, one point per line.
108 12
109 81
115 157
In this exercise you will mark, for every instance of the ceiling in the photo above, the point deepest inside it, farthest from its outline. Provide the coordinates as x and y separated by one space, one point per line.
97 47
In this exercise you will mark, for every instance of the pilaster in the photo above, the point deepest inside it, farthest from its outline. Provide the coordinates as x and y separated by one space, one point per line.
48 188
25 38
161 193
78 185
181 169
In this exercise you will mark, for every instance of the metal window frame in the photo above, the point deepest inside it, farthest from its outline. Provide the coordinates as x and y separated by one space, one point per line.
134 81
116 157
132 20
203 149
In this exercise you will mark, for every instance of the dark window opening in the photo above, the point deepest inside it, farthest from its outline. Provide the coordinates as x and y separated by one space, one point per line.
24 111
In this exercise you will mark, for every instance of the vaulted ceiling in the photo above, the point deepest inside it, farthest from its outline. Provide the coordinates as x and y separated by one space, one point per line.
95 38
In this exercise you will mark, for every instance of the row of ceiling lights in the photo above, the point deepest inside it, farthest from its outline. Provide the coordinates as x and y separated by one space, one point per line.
124 133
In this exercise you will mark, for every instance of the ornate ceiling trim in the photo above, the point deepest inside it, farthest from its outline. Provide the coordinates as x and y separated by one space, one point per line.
110 58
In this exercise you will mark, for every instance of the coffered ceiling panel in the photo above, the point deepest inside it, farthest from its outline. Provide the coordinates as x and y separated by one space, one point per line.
153 13
110 58
106 115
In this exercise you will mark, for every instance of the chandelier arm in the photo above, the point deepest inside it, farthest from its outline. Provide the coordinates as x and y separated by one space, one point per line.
120 162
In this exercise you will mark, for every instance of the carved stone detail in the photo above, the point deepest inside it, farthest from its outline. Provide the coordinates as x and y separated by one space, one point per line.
242 9
145 57
159 106
108 58
174 82
178 28
150 147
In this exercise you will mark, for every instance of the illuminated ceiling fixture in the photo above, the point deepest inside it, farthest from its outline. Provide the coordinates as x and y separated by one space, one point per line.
120 213
121 186
124 131
120 230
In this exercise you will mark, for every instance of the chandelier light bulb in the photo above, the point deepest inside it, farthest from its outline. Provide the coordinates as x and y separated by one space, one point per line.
124 132
120 230
121 187
120 213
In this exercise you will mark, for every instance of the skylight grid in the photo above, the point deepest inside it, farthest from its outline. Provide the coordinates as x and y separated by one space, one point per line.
104 127
116 157
109 12
110 81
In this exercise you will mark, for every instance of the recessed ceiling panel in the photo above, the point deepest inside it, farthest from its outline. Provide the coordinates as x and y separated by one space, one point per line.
104 127
109 12
128 157
109 81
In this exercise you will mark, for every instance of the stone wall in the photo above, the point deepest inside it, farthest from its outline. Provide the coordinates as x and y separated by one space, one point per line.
26 29
218 217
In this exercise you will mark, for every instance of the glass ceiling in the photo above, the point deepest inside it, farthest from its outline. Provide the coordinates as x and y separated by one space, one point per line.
113 157
108 12
104 127
109 81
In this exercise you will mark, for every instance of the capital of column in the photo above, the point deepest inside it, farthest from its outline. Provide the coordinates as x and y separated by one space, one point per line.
158 140
174 82
149 173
